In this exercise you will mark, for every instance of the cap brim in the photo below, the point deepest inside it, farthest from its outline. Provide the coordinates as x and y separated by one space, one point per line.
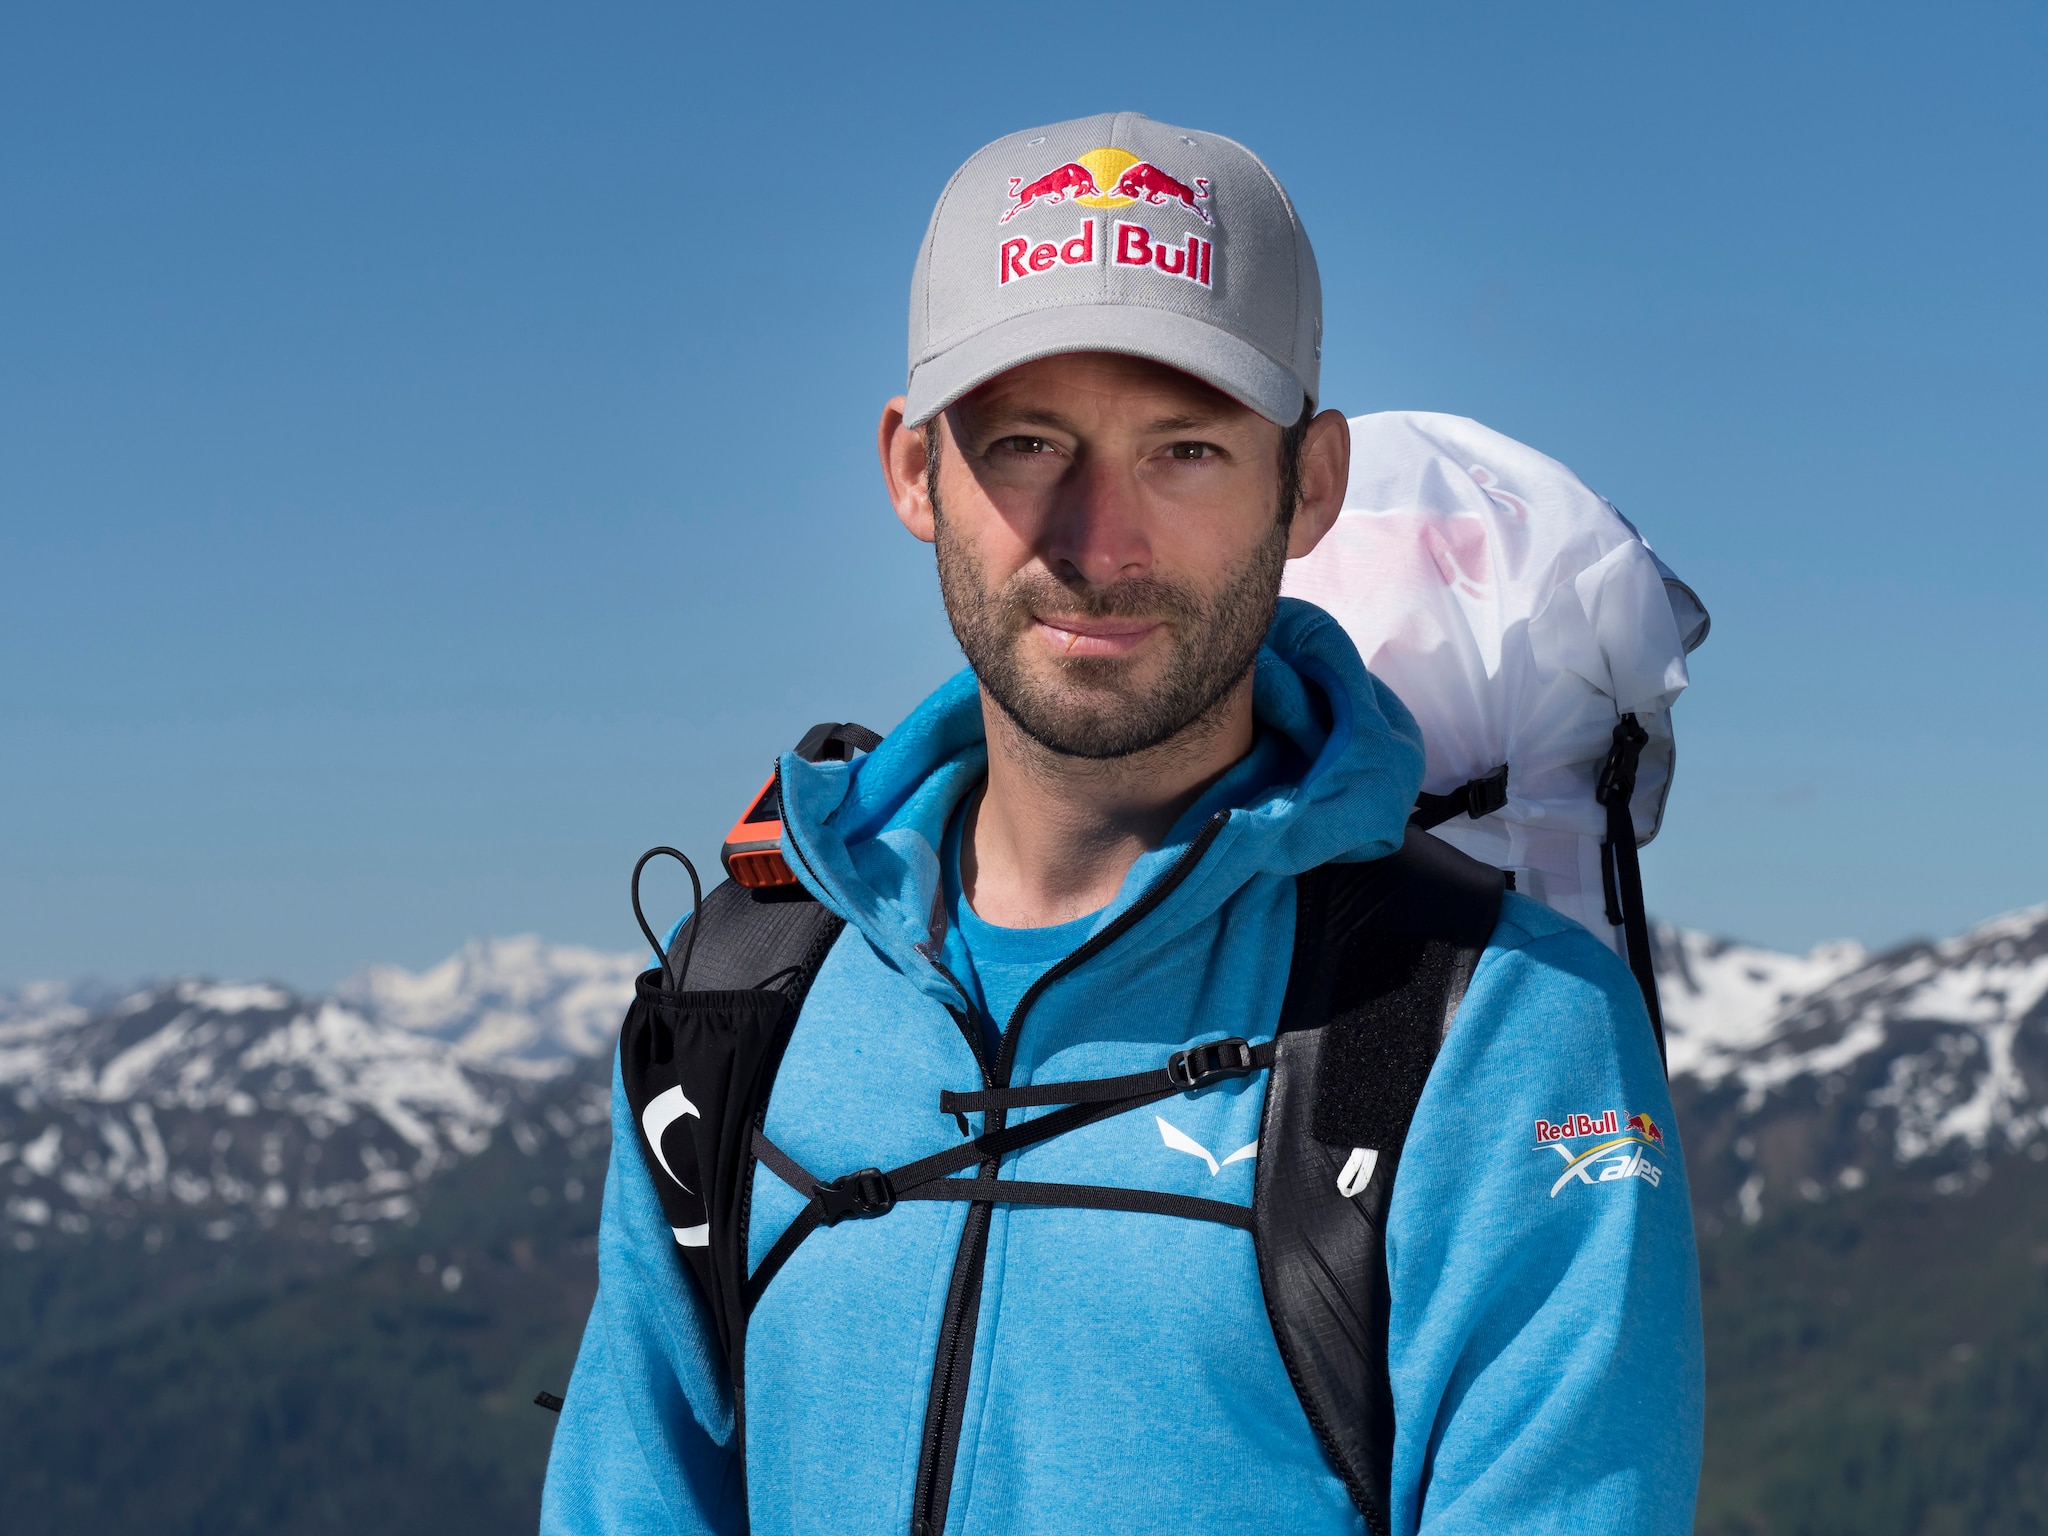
1193 346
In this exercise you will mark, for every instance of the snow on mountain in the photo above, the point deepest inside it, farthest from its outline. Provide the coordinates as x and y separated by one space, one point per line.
513 1004
1932 1055
1721 999
244 1106
45 1007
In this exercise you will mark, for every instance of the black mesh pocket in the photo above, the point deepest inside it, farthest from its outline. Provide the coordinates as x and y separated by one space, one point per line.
696 1067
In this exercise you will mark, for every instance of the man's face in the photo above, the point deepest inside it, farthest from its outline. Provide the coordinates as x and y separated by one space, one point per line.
1109 546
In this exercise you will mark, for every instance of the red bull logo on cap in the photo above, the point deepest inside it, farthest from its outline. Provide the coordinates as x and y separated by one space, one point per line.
1108 178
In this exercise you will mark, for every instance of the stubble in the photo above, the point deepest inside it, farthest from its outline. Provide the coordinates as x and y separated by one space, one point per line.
1096 707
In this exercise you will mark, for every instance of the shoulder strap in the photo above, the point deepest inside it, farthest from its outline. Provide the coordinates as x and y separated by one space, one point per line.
750 939
1382 956
697 1065
706 1031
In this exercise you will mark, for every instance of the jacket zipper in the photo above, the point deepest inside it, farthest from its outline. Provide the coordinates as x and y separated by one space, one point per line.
963 1297
946 1408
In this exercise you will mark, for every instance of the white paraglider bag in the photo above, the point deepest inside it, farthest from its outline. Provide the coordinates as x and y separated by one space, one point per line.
1523 620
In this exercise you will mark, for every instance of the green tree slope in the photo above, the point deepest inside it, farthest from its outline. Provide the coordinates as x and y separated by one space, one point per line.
303 1394
1877 1363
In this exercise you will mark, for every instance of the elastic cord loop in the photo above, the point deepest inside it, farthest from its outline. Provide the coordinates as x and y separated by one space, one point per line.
672 975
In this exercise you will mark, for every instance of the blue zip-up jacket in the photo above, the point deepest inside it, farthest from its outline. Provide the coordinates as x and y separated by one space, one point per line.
1544 1344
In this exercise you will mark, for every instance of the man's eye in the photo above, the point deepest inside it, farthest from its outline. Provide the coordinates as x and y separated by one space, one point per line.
1024 445
1193 451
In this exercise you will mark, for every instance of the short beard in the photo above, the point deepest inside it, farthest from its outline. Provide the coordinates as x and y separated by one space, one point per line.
1215 641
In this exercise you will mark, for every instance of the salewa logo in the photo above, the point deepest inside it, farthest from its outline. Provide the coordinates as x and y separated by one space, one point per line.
1181 1141
666 1108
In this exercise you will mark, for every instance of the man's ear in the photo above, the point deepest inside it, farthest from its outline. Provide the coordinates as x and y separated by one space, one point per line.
1325 472
904 463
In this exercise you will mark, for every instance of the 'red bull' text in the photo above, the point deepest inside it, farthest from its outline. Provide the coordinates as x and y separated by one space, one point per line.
1135 247
1020 258
1577 1125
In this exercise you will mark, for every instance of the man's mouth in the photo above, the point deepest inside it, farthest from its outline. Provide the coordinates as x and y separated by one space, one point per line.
1077 637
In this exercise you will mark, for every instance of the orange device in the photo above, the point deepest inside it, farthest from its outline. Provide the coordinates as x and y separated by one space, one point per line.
753 848
752 854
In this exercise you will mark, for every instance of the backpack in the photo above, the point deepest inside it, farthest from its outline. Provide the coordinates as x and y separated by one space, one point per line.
1539 642
1383 952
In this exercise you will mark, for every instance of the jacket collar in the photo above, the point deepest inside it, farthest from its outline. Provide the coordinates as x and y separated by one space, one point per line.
1333 776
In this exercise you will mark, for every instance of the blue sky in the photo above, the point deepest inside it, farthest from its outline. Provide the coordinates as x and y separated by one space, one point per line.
436 440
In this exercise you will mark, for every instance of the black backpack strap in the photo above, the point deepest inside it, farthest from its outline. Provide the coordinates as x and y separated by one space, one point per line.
874 1192
1621 873
1383 953
703 1039
1474 798
698 1063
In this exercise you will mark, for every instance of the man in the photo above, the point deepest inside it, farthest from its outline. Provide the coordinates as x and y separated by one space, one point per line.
1076 858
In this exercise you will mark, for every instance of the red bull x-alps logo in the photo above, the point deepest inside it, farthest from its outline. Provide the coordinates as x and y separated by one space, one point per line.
1620 1148
1109 178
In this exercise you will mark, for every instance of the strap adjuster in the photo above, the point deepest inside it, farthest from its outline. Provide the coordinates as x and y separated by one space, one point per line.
1190 1069
1486 795
865 1193
1617 782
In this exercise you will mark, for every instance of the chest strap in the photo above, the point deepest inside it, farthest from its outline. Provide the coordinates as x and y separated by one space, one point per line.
872 1192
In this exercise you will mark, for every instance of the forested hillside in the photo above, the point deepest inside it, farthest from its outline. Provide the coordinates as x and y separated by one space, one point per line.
1877 1364
255 1386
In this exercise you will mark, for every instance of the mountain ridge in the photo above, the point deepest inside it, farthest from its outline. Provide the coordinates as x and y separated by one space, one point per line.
1795 1075
245 1107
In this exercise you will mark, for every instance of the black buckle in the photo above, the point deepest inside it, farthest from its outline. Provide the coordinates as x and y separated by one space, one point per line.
1188 1070
866 1193
1617 782
1485 796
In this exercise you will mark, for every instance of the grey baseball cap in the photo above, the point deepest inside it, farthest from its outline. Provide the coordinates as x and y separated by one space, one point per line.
1117 234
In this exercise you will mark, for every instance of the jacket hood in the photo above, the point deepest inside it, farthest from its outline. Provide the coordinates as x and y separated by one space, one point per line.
1332 775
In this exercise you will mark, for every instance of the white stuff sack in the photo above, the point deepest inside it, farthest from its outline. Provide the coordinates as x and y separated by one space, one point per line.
1518 615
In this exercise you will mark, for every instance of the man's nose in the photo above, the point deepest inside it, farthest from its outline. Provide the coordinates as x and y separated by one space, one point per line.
1097 531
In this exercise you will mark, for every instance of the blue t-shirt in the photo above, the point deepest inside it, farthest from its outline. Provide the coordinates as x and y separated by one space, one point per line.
997 966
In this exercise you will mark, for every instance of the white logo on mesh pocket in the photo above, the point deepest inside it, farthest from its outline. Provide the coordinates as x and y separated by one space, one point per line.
1181 1141
666 1108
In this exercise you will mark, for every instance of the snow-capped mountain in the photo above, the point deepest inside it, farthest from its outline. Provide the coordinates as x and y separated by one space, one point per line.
247 1106
1721 999
513 1004
1797 1075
